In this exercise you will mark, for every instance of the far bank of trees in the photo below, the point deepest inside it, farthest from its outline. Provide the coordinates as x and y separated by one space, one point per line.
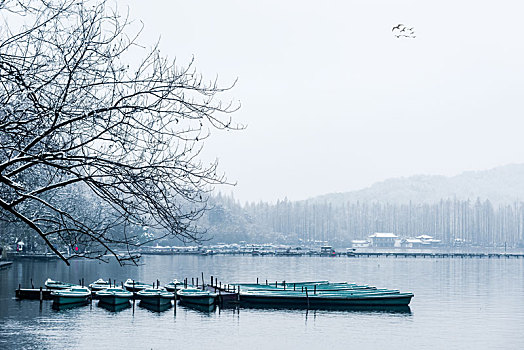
478 222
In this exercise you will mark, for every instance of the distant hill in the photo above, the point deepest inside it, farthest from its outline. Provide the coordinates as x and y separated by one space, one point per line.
503 184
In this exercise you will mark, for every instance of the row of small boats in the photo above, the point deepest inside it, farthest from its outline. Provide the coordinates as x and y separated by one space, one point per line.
301 294
321 294
67 293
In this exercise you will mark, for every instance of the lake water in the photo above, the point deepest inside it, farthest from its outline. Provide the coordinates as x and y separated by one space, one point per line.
459 304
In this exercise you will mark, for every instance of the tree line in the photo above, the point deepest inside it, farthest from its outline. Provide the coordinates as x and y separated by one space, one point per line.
476 222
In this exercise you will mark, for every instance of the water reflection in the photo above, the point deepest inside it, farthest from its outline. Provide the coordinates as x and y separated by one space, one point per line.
206 309
392 309
114 308
155 308
59 307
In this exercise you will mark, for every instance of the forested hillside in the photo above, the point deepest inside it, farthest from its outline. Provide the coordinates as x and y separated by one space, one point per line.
482 208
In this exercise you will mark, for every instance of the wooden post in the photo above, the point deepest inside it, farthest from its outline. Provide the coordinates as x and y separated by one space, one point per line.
157 283
41 295
197 282
82 281
133 289
294 287
211 281
302 289
192 281
203 281
307 298
284 286
266 283
257 280
32 286
238 295
276 284
315 290
110 282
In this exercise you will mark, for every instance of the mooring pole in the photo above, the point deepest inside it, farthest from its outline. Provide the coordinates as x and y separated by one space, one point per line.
307 298
41 295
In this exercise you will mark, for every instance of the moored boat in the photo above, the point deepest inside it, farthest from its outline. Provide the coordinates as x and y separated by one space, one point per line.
155 296
173 285
322 299
73 295
99 284
196 296
136 286
57 285
114 296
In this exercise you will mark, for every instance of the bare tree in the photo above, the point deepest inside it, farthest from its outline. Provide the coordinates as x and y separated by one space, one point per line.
82 121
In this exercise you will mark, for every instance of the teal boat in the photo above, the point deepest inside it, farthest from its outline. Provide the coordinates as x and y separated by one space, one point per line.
99 284
136 286
321 294
173 286
114 296
73 295
156 297
57 285
196 296
326 299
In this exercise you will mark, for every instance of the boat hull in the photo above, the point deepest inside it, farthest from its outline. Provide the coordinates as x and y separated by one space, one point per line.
385 300
63 300
205 300
156 300
113 299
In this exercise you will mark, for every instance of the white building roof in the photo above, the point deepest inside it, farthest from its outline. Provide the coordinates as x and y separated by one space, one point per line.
424 237
413 240
383 235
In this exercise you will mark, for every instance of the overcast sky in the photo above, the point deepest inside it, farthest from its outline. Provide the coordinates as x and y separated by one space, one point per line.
334 102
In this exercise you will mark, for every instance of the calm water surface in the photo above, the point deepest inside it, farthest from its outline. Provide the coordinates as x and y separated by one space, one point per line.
458 304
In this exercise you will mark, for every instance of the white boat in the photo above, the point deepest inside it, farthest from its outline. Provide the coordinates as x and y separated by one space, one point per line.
173 286
99 284
73 295
196 296
135 286
50 284
156 297
114 296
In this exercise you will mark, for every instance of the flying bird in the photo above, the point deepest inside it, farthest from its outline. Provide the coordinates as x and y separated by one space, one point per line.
398 26
401 31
